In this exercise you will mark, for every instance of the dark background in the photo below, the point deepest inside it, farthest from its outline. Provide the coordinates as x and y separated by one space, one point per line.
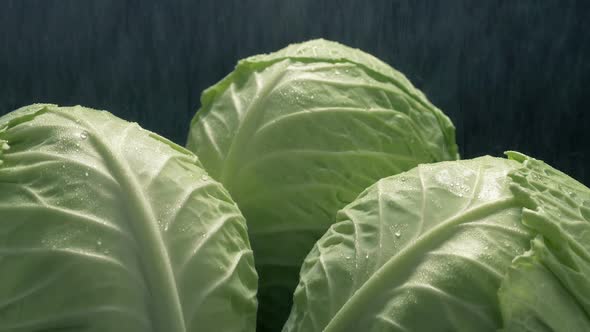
510 74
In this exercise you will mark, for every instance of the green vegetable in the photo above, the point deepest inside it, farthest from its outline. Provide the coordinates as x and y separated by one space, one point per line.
424 250
472 245
548 288
105 226
297 134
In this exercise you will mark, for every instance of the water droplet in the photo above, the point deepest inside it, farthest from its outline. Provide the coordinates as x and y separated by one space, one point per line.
84 135
402 179
367 256
204 178
99 242
77 145
398 234
347 257
63 166
86 174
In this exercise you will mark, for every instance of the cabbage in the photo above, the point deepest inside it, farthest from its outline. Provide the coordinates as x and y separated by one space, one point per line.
297 134
424 250
105 226
472 245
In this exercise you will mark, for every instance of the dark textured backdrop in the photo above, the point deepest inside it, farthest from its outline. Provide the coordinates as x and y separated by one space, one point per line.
510 74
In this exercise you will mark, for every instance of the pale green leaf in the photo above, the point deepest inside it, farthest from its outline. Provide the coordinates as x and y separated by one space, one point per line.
105 226
533 299
425 250
297 134
551 284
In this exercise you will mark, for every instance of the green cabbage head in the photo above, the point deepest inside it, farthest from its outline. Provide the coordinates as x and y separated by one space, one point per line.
475 245
105 226
297 134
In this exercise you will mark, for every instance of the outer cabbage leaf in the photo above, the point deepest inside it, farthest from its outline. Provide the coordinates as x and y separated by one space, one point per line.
297 134
549 288
533 299
105 226
424 250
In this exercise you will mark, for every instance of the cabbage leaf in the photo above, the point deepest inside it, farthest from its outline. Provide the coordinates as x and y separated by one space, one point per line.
425 250
548 288
105 226
477 245
297 134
